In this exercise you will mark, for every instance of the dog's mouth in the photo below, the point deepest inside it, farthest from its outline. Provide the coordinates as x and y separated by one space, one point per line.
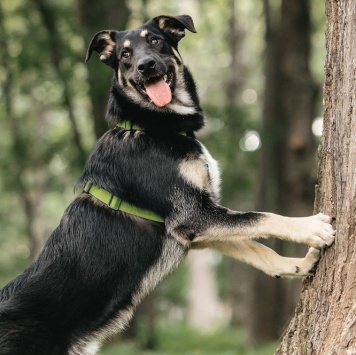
158 89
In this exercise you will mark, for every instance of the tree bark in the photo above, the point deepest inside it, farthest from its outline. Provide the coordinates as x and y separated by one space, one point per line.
325 318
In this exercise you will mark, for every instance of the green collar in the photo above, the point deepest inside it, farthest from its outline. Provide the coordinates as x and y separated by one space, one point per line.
132 126
129 125
117 204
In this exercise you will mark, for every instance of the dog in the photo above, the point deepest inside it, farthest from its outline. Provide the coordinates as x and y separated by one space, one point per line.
150 193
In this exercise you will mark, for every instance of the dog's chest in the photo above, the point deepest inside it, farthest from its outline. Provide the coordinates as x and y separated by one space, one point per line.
203 172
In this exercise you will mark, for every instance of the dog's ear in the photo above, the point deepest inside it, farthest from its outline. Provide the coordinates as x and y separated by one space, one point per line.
104 43
175 25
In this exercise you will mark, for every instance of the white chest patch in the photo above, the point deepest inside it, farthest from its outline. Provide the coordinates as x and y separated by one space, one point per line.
202 173
86 348
214 172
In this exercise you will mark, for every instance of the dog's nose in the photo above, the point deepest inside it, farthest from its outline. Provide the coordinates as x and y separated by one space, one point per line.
146 64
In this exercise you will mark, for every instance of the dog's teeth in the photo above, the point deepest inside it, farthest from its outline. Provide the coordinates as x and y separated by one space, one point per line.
165 77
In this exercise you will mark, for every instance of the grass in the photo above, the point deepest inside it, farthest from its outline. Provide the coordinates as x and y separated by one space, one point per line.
181 340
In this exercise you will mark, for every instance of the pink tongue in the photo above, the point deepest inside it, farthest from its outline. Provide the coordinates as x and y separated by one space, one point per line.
159 92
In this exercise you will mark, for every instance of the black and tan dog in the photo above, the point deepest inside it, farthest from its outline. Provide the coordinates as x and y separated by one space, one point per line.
150 194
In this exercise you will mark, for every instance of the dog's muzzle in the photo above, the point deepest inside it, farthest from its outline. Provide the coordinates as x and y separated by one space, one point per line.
157 87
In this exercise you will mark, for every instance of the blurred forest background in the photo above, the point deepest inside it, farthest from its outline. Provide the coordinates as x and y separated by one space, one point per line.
258 65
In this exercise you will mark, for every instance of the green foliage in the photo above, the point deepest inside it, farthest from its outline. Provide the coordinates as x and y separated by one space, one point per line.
173 289
239 168
182 340
36 139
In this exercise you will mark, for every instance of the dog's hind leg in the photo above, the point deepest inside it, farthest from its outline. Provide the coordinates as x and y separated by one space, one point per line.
266 259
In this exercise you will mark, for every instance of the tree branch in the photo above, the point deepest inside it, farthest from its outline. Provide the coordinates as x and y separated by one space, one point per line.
49 22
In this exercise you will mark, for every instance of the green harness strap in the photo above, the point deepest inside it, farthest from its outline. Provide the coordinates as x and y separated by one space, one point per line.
118 204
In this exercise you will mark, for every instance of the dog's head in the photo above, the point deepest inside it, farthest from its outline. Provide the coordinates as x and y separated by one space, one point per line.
147 64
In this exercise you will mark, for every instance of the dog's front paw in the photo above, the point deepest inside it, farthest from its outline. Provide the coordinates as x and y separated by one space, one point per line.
320 231
316 231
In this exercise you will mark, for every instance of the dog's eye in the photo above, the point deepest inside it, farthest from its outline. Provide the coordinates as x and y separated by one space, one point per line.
125 54
154 41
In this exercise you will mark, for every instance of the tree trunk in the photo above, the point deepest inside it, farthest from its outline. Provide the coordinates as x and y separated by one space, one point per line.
29 202
94 17
287 174
205 311
325 319
235 44
48 17
238 291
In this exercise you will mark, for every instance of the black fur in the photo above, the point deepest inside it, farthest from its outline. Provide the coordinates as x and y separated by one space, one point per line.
94 264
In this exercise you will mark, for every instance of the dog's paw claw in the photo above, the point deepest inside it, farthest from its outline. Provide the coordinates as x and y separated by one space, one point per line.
312 271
